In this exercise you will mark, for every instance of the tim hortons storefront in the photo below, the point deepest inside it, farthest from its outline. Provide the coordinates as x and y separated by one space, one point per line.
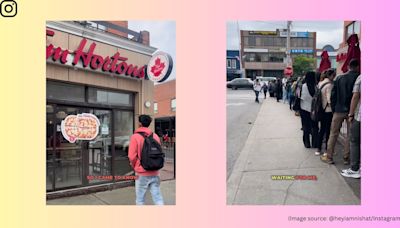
97 84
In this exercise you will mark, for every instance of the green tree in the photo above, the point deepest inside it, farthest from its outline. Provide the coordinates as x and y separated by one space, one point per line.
302 64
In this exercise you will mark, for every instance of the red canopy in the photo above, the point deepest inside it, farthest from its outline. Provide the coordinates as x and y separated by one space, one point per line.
325 62
353 52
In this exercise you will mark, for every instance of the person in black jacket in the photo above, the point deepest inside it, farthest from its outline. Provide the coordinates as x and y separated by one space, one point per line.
341 95
278 90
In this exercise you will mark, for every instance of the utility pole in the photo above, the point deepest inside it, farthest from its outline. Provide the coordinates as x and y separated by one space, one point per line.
240 48
288 58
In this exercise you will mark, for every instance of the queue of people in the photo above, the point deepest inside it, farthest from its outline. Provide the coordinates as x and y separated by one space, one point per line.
340 99
324 102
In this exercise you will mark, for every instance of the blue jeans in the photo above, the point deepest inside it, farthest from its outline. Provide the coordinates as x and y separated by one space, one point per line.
148 182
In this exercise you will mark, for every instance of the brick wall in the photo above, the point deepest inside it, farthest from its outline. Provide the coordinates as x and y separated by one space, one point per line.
123 24
163 94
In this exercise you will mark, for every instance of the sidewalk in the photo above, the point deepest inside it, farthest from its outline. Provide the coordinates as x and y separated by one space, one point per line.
275 147
121 196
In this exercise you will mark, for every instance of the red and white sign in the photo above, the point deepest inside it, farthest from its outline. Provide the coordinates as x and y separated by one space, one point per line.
83 126
159 67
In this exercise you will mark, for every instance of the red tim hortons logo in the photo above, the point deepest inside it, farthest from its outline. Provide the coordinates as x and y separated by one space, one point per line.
159 67
115 64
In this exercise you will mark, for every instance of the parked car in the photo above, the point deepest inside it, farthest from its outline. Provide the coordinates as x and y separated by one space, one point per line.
240 83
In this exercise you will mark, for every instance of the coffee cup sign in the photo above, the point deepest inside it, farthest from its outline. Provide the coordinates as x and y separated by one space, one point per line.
83 126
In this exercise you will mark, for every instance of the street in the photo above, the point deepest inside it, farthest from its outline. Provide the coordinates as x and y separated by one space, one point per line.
241 111
273 146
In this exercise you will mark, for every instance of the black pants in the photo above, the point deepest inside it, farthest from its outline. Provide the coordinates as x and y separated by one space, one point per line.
278 95
325 129
291 102
265 93
257 93
310 127
355 141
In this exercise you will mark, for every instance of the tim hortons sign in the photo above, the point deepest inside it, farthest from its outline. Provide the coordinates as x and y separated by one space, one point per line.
158 68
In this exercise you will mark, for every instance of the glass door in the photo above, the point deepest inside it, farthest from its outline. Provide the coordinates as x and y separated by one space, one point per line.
99 156
65 164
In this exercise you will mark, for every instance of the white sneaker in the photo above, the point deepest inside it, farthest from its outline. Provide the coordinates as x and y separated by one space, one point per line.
350 173
317 153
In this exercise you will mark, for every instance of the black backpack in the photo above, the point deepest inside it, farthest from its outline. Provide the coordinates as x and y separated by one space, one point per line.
316 104
152 157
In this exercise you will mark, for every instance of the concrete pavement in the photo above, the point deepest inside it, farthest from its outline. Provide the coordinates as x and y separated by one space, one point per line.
121 196
274 147
241 113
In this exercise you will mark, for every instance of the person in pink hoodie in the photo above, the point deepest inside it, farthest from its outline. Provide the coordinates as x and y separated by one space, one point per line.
145 179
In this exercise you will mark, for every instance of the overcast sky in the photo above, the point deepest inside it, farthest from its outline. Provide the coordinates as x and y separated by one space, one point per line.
162 37
328 32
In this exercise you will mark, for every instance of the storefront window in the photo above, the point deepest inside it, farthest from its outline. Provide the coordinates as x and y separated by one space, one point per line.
233 61
353 28
173 105
64 159
155 107
123 122
65 92
100 150
109 97
252 41
86 162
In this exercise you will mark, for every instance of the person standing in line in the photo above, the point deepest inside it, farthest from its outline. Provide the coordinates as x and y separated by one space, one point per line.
257 88
284 91
278 90
146 180
355 132
265 89
326 84
297 92
271 88
290 94
341 96
309 126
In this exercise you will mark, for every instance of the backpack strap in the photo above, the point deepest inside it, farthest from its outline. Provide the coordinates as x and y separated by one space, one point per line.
144 135
323 85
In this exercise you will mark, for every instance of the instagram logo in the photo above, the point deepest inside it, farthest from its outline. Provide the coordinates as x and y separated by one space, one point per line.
8 8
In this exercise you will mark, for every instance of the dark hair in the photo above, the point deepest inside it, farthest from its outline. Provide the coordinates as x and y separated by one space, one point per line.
145 120
318 76
310 81
354 63
329 72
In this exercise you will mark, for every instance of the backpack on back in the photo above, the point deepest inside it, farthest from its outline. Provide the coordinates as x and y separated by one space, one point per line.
152 156
316 104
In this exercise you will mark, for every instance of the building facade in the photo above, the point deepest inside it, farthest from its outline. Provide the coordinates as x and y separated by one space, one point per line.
95 74
165 109
233 65
264 52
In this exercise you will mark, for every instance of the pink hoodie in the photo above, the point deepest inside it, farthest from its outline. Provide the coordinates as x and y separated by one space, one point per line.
135 151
